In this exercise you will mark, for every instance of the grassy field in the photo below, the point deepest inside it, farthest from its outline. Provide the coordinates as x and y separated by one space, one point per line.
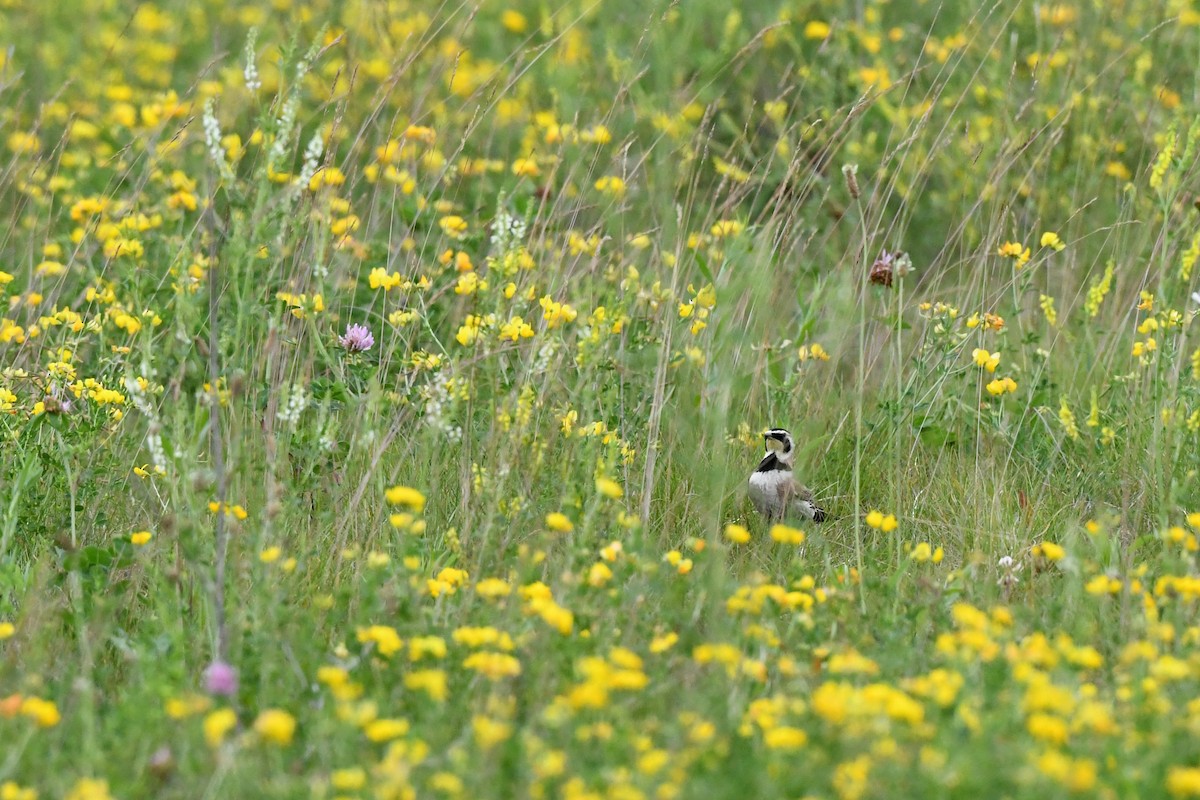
381 381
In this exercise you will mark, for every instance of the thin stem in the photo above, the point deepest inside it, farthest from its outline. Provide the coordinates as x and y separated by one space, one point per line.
858 407
216 444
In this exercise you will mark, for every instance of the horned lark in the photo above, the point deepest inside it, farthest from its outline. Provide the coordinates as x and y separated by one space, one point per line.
774 490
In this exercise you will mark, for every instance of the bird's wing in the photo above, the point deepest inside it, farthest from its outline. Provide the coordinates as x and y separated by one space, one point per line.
791 489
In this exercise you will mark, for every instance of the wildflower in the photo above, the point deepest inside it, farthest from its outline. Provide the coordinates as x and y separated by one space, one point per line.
453 226
7 629
888 266
1017 252
493 588
357 338
220 679
785 534
599 574
556 313
1047 305
431 681
348 780
384 730
10 790
526 167
559 522
1183 781
492 665
387 641
985 360
1162 162
726 227
1049 551
880 521
1009 569
738 534
1051 240
381 279
275 726
609 488
1098 290
1001 386
140 538
785 737
217 725
611 185
406 496
43 712
89 789
516 329
1067 418
816 29
684 565
921 553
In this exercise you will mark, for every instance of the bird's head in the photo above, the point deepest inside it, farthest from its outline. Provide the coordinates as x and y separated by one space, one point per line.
779 442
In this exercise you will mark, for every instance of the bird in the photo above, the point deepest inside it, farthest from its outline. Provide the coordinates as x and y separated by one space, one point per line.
774 490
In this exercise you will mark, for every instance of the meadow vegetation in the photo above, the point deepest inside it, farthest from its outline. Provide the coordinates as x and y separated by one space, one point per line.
380 381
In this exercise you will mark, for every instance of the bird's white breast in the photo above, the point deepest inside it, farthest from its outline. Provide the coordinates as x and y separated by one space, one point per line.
764 488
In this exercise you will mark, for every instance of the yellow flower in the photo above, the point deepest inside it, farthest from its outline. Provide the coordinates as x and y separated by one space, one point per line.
275 726
453 226
7 629
348 780
785 534
489 732
921 553
270 555
726 227
816 29
738 534
526 167
384 730
43 712
387 641
89 789
1050 551
875 519
609 488
493 588
431 681
381 279
406 496
140 538
1001 386
10 790
785 738
217 725
515 329
493 666
985 360
1017 252
559 522
599 574
610 184
663 643
1050 239
514 21
1183 781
